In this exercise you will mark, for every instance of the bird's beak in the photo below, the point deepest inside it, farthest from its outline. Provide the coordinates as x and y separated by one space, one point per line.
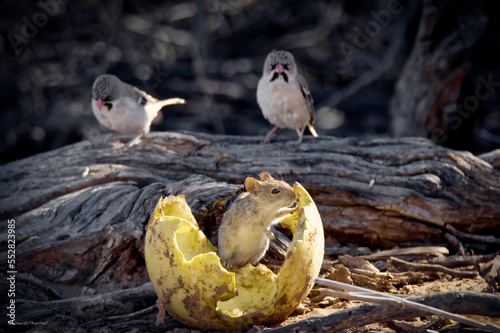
100 102
279 68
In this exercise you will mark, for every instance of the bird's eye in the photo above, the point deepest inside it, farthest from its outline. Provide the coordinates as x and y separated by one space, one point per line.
286 66
275 191
273 67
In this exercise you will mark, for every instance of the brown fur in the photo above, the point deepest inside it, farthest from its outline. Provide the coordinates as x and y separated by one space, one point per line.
244 233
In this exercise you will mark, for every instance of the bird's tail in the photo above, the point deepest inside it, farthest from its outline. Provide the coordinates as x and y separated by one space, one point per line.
171 101
152 109
312 130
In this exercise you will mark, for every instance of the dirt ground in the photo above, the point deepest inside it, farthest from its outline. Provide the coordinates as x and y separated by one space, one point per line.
331 305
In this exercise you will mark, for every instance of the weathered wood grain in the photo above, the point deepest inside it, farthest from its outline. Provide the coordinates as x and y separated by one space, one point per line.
427 101
81 210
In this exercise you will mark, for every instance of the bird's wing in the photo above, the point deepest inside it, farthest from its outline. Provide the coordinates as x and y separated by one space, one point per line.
143 97
307 97
150 104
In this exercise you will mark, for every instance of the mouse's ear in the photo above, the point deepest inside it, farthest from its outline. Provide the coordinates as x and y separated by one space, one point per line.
252 185
265 176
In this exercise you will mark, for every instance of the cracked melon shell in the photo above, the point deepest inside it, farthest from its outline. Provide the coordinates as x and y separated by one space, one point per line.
196 289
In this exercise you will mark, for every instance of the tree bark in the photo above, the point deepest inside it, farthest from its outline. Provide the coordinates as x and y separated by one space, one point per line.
80 211
426 99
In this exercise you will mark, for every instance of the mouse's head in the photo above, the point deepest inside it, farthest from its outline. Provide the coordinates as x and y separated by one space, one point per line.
271 193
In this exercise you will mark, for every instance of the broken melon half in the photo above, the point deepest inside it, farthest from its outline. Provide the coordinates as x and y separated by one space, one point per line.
196 289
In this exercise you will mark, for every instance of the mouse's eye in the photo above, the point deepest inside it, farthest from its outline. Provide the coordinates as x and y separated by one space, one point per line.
275 191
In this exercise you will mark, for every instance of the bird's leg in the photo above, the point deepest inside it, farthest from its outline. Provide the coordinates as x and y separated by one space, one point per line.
270 135
111 138
134 140
300 132
104 140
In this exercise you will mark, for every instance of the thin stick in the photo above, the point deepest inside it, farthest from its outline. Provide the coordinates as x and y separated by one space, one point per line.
398 301
478 238
370 273
432 268
407 327
459 260
433 251
362 297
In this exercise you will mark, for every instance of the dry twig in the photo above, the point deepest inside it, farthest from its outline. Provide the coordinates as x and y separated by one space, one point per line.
368 295
401 325
427 251
461 260
431 268
477 238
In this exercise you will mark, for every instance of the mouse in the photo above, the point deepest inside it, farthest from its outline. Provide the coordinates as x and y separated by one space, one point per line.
244 234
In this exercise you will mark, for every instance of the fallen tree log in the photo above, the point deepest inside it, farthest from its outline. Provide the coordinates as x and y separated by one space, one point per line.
80 211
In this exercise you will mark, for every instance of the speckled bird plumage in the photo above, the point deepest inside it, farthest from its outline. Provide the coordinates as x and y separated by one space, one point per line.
284 97
123 108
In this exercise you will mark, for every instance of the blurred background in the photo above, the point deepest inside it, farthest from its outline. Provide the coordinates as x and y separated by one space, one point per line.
377 68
